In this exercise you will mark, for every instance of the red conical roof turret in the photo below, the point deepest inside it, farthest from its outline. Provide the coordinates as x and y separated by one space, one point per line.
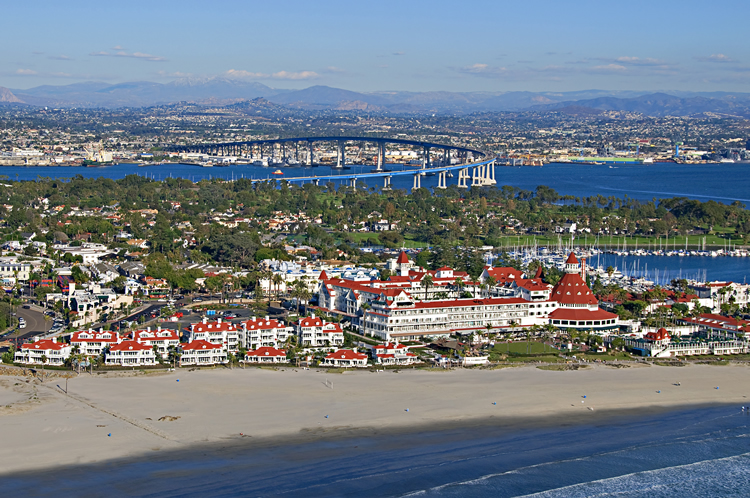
323 275
572 260
403 259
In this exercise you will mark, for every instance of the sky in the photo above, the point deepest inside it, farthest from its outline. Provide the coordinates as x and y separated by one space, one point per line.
406 45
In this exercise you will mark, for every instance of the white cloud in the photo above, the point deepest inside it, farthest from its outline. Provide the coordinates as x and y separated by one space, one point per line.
60 58
301 75
134 55
26 72
721 58
279 75
610 68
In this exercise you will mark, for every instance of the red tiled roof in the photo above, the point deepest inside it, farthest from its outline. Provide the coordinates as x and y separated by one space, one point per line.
214 327
267 351
571 289
660 335
572 260
402 258
323 275
93 336
262 324
200 344
130 345
503 273
346 354
44 345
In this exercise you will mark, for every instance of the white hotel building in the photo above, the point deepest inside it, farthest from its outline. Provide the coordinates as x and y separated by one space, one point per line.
569 304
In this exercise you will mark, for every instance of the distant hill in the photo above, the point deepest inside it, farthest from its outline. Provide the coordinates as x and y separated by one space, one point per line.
225 91
662 104
7 97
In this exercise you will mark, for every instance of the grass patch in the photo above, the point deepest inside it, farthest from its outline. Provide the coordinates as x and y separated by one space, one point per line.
563 367
605 356
535 359
523 347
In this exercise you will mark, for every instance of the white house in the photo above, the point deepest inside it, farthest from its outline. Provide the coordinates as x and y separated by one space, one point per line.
163 339
54 353
217 332
266 355
200 352
93 343
130 353
345 358
392 354
314 331
261 332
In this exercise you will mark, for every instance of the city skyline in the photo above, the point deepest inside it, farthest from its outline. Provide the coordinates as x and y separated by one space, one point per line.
537 46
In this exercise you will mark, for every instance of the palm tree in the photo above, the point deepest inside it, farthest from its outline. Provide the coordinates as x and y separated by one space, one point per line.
489 283
459 284
513 324
426 283
277 279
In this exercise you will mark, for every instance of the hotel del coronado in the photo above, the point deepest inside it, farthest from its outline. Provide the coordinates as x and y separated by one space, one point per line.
417 303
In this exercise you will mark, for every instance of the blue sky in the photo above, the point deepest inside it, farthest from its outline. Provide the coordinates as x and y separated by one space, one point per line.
414 45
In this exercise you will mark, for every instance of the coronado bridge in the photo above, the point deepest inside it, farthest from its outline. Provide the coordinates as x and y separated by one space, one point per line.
437 159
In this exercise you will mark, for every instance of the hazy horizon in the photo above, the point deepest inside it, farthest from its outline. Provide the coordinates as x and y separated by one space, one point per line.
415 46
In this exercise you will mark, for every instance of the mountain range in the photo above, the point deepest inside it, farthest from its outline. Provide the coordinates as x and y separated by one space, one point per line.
224 91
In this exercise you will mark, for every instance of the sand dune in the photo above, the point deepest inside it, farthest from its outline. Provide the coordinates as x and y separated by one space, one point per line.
112 417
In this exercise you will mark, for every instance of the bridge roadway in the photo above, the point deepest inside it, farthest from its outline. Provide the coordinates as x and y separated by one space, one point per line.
483 174
310 140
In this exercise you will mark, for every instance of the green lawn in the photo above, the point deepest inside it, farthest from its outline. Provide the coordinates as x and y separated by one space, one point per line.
605 357
522 348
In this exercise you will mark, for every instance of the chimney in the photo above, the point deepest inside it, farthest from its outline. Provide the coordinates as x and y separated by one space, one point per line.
218 320
101 329
583 268
148 329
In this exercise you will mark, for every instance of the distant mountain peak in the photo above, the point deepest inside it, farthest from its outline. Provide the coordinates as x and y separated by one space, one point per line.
7 97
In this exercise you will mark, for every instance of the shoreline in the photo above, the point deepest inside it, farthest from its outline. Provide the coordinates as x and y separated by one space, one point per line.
110 419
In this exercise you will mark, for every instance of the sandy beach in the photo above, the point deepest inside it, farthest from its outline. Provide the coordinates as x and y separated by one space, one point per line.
109 417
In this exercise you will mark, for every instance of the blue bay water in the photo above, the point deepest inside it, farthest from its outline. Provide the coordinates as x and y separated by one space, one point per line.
721 182
689 452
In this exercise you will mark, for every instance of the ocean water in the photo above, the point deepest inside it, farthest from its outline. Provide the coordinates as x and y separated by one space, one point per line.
695 452
663 269
644 182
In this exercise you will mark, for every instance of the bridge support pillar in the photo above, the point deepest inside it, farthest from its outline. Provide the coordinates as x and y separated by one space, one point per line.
381 156
426 158
463 175
353 183
341 162
387 183
316 181
309 153
417 181
446 158
442 180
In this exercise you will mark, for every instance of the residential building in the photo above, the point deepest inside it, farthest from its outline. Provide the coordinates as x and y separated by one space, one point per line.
200 352
217 332
345 358
256 333
314 331
43 352
130 353
266 355
163 339
93 343
392 354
